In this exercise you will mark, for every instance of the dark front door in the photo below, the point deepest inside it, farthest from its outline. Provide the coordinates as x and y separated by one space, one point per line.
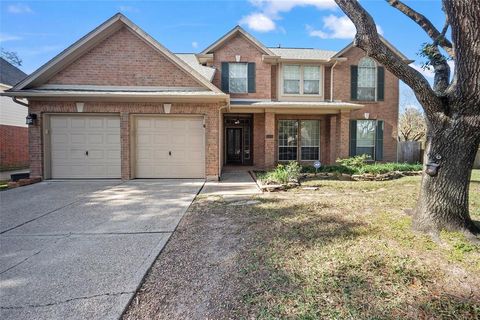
234 145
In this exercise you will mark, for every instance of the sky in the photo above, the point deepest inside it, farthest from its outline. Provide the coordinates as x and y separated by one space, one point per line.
39 30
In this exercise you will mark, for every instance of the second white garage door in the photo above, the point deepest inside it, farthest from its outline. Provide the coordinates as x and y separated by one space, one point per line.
170 147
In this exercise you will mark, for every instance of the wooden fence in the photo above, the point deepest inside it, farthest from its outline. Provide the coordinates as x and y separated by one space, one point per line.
409 151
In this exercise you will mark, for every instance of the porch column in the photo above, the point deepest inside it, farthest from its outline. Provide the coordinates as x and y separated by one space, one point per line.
269 140
125 145
342 136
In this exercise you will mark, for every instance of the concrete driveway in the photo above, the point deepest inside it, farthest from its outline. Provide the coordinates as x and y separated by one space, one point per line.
79 249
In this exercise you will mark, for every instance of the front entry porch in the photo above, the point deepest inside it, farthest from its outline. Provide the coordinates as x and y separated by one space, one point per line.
259 135
238 139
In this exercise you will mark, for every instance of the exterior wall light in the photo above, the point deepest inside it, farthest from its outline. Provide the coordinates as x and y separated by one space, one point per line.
30 119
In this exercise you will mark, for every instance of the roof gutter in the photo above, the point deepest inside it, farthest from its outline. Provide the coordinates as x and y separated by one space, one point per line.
15 99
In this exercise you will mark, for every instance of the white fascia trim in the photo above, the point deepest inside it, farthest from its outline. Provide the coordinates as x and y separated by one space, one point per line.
117 88
230 34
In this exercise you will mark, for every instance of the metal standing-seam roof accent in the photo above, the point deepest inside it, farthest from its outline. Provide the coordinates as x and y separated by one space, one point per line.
192 61
303 53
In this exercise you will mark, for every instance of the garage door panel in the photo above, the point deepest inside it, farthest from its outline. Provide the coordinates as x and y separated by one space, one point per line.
77 123
96 123
94 155
161 139
95 139
170 134
113 139
74 135
77 154
113 155
113 123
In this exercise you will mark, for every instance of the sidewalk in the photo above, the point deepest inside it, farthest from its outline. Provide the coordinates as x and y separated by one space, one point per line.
238 183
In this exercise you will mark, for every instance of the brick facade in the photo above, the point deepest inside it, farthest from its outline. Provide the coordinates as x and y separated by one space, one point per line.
386 110
248 52
126 111
13 147
123 59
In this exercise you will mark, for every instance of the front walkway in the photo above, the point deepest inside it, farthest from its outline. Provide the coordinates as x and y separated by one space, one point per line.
232 183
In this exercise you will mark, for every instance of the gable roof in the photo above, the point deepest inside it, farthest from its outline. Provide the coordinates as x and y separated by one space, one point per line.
388 44
192 61
9 74
232 33
109 27
303 53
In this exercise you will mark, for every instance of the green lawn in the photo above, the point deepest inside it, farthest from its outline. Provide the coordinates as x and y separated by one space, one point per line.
347 251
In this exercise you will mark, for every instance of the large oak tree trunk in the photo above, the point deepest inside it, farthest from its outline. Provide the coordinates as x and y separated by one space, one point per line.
443 200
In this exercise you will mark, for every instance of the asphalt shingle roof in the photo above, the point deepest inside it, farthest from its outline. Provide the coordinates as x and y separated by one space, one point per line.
9 74
300 53
191 60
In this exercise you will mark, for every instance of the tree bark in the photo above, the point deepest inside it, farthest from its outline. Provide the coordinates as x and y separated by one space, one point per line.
452 110
443 200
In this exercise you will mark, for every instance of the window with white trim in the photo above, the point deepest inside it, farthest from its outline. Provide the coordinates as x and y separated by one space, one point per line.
310 139
367 79
311 80
238 77
289 140
301 79
291 79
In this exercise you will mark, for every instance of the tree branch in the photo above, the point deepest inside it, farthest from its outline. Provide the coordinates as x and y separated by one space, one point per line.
368 40
426 25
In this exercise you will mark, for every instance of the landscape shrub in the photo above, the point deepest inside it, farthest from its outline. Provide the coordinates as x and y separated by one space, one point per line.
359 165
283 173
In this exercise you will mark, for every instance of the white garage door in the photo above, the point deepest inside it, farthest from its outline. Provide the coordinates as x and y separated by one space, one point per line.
85 147
170 147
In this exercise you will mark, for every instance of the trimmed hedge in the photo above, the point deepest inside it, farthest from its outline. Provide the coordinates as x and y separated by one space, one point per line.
374 168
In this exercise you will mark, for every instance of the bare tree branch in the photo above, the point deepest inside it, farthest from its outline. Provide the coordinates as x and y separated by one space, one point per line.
426 25
368 40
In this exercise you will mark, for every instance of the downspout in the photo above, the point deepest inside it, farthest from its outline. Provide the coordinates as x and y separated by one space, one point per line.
331 80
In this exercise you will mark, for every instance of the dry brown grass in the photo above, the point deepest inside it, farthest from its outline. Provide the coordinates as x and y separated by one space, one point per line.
344 251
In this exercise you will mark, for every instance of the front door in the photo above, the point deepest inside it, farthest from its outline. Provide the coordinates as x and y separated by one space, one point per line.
234 145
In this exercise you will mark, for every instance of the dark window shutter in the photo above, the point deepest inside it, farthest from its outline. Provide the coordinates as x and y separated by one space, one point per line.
380 83
379 141
353 138
353 82
225 85
251 77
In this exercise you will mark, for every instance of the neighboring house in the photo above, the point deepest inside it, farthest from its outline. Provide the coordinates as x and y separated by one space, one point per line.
13 130
119 104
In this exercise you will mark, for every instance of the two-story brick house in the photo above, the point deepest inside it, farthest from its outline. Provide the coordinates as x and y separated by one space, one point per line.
117 104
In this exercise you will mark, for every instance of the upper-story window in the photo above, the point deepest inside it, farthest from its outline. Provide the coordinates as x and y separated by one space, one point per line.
311 80
367 82
291 79
299 79
237 77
